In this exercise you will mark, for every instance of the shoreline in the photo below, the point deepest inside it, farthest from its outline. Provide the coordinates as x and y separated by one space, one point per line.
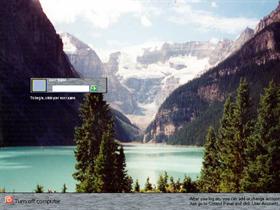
122 143
157 144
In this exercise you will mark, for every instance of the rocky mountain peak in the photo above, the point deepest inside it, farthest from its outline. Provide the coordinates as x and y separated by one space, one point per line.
35 31
89 65
273 17
180 119
248 32
71 44
114 57
83 58
246 35
113 62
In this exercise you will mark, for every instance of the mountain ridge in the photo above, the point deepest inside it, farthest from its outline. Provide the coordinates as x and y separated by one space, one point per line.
273 17
31 48
177 122
138 85
89 65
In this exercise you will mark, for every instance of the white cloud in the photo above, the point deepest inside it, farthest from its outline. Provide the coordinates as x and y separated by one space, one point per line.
116 44
214 40
96 35
101 13
186 15
145 21
127 48
214 4
188 1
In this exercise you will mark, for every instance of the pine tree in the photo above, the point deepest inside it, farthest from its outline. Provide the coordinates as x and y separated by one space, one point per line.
161 184
263 171
137 186
178 185
216 152
128 185
209 180
165 179
39 189
64 188
233 149
172 186
96 119
148 185
122 181
225 131
104 166
188 186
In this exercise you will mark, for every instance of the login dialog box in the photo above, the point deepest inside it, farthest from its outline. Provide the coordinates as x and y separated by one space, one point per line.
68 85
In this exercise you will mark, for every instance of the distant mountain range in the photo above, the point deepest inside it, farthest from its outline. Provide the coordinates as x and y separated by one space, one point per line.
186 114
30 47
88 64
183 85
139 83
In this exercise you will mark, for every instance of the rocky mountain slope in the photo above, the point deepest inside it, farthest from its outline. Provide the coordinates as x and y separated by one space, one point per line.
88 64
82 57
155 72
30 47
186 114
140 82
273 17
125 131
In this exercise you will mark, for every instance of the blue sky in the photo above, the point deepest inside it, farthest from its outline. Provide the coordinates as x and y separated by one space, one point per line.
111 25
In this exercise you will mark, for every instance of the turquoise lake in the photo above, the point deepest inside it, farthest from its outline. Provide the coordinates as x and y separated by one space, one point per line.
22 168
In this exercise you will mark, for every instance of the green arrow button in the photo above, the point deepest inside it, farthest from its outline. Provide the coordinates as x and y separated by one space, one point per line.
93 88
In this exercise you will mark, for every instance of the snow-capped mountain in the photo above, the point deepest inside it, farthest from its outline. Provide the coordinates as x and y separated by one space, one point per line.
144 79
88 65
82 57
187 113
153 74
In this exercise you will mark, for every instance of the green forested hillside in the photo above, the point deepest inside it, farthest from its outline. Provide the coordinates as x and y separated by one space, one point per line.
193 133
242 154
125 131
193 107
